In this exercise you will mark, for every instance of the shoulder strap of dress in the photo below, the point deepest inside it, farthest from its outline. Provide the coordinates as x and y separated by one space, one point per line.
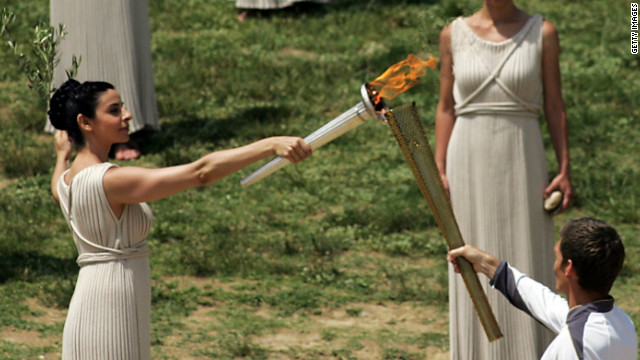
457 38
106 166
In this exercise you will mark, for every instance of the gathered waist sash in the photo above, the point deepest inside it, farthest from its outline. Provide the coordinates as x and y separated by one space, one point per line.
137 251
510 108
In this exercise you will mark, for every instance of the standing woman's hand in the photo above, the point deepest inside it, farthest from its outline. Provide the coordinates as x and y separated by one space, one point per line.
561 182
445 183
291 148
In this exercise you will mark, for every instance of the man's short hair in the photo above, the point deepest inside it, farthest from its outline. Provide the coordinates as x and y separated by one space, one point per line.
596 251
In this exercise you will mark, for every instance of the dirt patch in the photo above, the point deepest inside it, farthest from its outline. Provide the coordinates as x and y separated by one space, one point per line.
333 328
30 338
308 334
6 182
319 334
383 315
180 345
299 54
50 315
27 337
205 282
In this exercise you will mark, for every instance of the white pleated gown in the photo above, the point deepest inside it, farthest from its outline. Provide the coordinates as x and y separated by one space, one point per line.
271 4
497 171
113 39
110 312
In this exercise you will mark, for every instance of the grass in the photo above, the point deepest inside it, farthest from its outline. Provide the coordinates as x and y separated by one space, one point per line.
334 258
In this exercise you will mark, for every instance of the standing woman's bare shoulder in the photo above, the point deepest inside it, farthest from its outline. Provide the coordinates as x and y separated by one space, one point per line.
550 59
445 40
446 52
550 39
446 68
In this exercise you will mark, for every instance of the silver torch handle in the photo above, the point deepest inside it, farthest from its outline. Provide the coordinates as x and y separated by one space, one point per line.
350 119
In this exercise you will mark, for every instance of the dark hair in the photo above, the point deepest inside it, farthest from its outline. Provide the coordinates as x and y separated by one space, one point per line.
596 250
72 99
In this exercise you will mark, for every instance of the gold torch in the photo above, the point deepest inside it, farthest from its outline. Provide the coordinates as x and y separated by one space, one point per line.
412 139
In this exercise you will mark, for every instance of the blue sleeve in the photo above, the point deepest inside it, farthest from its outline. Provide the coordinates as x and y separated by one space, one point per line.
504 281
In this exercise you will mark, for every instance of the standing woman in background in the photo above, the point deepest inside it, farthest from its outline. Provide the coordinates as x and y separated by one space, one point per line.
113 40
105 206
250 6
497 66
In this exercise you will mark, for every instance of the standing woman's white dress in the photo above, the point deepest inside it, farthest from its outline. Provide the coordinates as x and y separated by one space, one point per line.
110 312
114 40
497 171
271 4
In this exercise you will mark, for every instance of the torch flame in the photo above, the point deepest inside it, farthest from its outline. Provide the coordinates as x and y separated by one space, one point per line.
401 76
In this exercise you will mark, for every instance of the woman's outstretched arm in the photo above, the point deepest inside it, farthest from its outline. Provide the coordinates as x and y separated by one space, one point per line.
127 185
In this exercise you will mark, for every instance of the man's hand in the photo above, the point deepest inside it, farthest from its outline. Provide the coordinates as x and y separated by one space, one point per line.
481 261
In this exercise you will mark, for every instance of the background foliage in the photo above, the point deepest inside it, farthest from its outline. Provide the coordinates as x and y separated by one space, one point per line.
347 226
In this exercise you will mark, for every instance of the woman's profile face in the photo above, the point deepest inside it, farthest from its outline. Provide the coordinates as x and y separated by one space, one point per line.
112 118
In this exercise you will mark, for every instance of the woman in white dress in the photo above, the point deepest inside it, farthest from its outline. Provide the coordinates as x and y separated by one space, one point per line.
496 67
249 6
105 207
271 4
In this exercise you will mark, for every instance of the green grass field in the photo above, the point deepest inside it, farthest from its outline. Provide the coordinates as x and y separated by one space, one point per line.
334 258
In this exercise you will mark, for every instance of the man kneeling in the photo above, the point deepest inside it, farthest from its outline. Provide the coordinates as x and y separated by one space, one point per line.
589 257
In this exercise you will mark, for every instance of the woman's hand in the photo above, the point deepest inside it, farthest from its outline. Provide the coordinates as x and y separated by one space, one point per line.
62 144
445 183
561 182
63 156
293 149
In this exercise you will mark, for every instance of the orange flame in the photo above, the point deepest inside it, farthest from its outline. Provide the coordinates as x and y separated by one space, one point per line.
402 76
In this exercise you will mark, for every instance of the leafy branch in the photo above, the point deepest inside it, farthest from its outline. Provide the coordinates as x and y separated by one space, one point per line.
38 64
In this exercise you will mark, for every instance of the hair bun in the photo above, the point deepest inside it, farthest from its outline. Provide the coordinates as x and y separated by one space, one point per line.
58 104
